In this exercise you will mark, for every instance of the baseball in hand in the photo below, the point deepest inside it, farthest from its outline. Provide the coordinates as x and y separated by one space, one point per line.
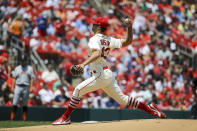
128 21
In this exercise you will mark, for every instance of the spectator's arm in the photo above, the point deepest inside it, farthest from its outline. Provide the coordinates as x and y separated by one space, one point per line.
9 71
55 85
13 84
56 75
1 21
67 83
31 84
44 75
11 26
57 103
22 27
32 78
4 86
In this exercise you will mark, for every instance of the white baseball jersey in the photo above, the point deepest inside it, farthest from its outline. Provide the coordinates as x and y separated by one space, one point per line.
104 44
103 78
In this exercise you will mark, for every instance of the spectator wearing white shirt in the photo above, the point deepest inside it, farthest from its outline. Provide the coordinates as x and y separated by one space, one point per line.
153 6
46 95
138 94
49 75
54 3
147 95
35 42
164 53
5 30
148 67
158 85
145 50
139 22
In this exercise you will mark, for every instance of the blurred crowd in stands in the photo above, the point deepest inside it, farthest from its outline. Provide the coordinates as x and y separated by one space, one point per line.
151 69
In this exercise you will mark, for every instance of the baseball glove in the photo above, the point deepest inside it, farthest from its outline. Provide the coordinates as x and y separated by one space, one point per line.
76 70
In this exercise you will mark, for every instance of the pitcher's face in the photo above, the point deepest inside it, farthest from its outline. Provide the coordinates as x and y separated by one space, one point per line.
94 28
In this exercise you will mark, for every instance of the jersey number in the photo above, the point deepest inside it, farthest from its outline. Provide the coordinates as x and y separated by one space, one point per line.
105 52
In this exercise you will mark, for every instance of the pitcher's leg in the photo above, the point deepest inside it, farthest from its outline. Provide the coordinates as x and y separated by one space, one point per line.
86 86
114 91
83 88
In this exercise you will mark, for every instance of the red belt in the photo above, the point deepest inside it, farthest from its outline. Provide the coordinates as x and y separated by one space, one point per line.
104 68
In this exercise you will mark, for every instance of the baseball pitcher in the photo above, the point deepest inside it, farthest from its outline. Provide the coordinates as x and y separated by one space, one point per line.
23 78
99 47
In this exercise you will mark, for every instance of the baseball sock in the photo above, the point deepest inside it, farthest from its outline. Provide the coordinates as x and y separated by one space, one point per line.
13 113
71 107
139 105
24 113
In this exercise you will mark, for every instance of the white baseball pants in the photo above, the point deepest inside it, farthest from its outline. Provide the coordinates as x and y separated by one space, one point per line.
102 80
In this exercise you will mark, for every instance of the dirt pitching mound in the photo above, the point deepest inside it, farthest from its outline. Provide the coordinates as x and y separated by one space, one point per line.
128 125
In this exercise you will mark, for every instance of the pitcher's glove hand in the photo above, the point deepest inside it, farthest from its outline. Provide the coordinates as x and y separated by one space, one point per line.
76 70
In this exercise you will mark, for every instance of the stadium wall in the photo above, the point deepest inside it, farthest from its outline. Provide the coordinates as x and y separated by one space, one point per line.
50 114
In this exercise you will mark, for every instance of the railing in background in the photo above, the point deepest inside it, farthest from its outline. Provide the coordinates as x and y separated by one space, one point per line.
17 47
37 60
187 51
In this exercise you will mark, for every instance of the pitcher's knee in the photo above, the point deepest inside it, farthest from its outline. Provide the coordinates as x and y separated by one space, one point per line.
77 92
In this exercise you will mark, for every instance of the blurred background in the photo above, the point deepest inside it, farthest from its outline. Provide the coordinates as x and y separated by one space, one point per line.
159 66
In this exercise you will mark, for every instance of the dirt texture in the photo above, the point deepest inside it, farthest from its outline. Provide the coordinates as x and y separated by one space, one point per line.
127 125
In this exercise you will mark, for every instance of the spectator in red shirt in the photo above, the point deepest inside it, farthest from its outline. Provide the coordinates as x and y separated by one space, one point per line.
60 29
32 100
65 66
9 99
3 75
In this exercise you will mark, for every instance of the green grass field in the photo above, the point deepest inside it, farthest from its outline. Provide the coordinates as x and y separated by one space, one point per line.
12 124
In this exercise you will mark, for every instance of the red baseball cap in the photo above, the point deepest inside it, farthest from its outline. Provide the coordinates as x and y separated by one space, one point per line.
101 21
